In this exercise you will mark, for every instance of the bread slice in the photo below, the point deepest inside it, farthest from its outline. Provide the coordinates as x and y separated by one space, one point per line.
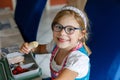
16 59
33 44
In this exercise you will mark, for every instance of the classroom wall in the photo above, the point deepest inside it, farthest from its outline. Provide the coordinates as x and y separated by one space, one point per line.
6 3
57 2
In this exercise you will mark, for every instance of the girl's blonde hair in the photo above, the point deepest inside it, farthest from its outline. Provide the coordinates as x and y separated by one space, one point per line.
80 22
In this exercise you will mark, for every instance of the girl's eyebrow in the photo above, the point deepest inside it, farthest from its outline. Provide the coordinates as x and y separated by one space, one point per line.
66 25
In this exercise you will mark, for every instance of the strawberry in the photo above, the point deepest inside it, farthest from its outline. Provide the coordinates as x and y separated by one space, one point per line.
19 69
14 72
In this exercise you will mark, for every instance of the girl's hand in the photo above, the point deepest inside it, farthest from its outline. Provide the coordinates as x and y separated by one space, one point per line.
25 48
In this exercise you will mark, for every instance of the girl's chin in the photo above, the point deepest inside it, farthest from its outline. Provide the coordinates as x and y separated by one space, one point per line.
62 45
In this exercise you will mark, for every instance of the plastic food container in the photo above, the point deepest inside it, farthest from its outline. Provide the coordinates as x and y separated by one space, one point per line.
29 63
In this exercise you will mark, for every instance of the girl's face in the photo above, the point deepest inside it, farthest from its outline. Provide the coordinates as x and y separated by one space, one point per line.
64 40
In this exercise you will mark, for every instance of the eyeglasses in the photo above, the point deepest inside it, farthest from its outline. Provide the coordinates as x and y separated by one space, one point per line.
68 29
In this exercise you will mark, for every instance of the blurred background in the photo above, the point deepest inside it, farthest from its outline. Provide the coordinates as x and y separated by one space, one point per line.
33 18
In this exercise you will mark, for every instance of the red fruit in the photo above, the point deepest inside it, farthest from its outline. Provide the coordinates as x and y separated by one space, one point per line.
14 72
19 69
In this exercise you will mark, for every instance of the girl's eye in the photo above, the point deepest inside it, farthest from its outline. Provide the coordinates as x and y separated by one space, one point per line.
69 29
57 27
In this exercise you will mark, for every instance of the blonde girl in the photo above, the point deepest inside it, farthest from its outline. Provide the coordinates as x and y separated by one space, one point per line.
69 52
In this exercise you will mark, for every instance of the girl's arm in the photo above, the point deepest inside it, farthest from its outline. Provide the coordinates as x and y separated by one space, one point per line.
45 48
67 74
41 49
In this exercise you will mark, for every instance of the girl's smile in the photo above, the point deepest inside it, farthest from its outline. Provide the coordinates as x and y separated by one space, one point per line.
62 40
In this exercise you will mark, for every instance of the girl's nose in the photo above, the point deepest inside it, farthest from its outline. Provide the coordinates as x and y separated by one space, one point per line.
62 32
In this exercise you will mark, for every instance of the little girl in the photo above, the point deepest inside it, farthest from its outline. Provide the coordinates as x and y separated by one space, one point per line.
70 54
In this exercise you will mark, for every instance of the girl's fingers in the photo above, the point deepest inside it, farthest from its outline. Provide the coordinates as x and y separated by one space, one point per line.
24 48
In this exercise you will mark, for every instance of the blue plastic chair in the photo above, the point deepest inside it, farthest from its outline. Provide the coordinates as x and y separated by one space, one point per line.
27 17
104 18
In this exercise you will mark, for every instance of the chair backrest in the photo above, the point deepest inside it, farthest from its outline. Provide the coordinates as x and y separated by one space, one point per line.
104 18
27 17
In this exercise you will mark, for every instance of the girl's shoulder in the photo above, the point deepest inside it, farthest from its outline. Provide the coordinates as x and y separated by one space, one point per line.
77 53
83 50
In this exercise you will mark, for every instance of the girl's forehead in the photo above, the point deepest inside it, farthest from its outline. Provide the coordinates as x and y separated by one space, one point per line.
68 20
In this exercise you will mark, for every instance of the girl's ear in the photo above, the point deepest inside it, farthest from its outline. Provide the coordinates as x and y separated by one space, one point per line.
83 32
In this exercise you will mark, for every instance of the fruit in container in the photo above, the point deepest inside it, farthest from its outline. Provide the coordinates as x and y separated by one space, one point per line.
19 70
14 72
